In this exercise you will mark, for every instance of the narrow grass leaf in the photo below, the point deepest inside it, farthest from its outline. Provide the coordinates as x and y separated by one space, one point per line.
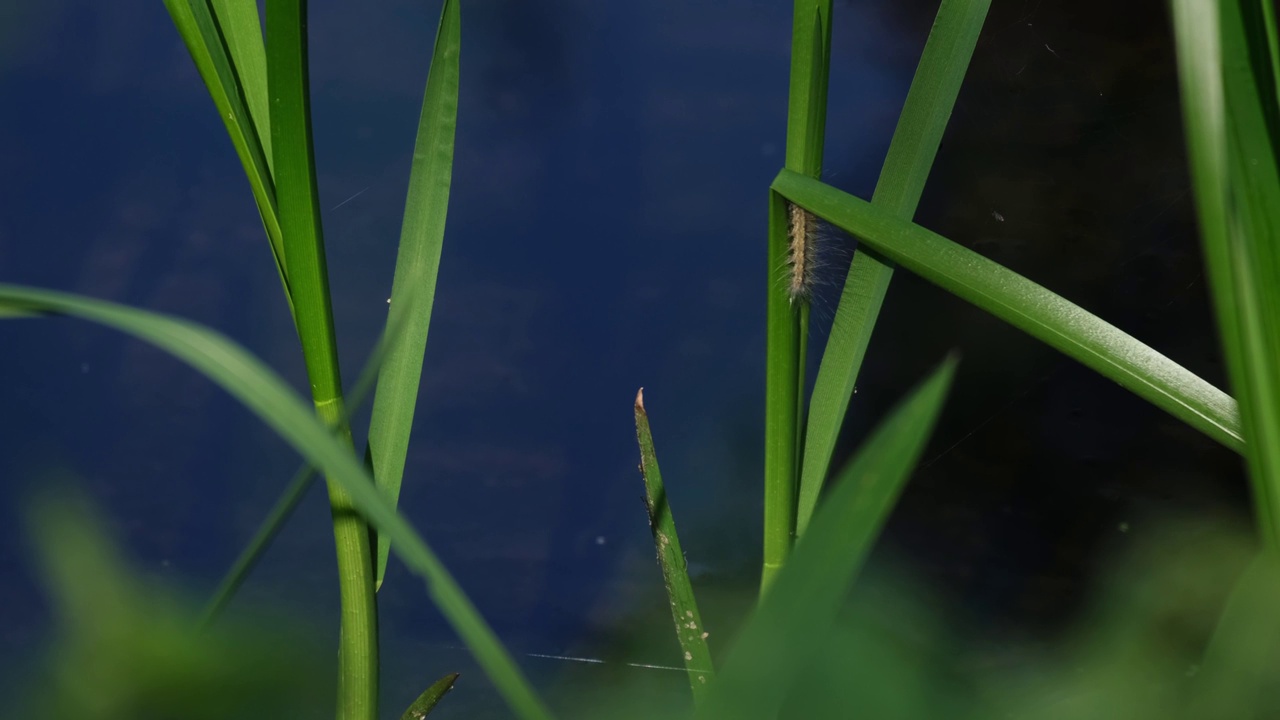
801 606
1027 306
1233 130
675 575
248 558
807 93
294 491
241 27
429 698
906 167
204 40
262 391
417 266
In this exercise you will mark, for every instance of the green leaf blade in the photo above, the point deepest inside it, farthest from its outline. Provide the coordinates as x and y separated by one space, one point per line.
429 698
690 632
417 267
1227 69
800 607
1027 306
241 28
916 139
201 32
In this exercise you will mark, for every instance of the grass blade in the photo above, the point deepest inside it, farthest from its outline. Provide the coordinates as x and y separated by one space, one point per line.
255 385
427 701
257 546
1028 307
417 265
1228 76
241 28
675 575
204 40
788 314
906 167
795 615
298 486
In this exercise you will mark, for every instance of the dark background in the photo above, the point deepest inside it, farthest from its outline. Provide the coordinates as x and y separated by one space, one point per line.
605 231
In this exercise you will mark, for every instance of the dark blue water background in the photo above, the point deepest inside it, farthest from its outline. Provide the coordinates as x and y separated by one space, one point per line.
605 232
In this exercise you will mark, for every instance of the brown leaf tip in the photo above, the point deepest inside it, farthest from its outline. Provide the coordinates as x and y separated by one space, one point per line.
640 400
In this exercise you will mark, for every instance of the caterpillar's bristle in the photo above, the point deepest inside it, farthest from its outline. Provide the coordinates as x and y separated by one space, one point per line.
801 228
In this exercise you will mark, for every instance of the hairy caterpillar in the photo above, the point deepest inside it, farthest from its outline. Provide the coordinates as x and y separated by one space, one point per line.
802 253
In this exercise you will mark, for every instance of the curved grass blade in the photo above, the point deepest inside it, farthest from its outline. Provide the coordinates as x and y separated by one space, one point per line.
427 701
915 143
675 575
794 616
251 382
204 40
417 265
298 486
1028 307
1233 131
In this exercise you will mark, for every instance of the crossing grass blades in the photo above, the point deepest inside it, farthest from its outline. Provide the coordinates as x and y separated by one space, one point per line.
801 653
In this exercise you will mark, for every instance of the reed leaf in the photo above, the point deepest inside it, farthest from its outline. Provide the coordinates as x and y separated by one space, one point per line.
430 697
1027 306
793 619
1227 68
915 143
203 36
417 266
690 632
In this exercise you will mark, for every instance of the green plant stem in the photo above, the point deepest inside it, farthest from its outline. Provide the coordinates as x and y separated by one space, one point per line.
287 80
788 320
781 410
298 486
358 643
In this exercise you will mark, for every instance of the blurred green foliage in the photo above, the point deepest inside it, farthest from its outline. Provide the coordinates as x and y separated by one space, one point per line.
125 648
1181 627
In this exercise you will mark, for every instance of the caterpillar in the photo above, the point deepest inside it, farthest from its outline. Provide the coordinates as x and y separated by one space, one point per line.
801 254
